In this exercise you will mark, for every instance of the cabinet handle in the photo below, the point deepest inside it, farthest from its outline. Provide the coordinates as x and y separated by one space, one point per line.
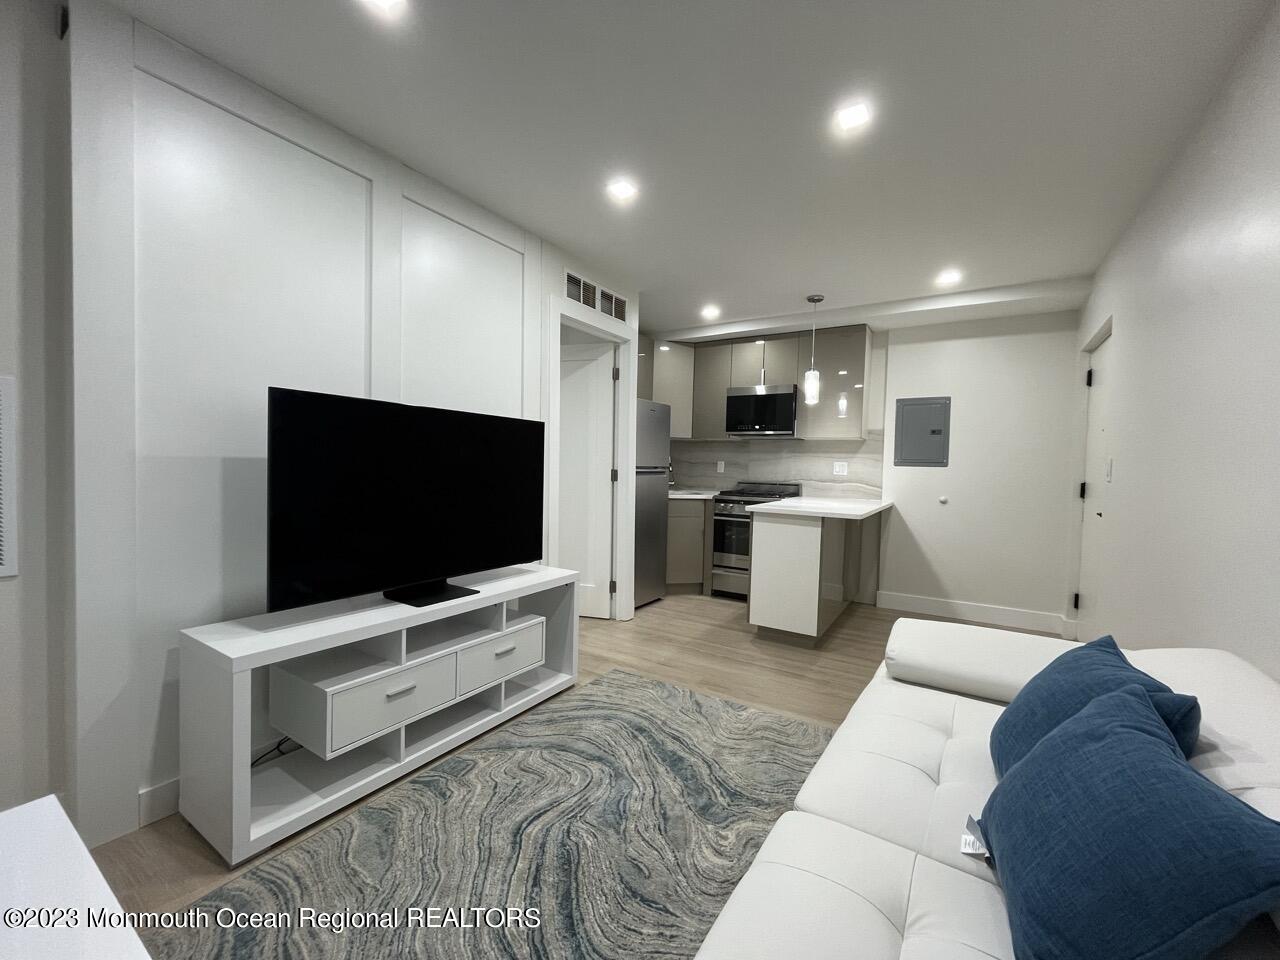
504 651
399 691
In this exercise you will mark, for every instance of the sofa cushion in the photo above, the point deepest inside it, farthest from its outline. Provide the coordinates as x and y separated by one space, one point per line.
909 765
1239 743
824 891
967 659
1068 684
1108 843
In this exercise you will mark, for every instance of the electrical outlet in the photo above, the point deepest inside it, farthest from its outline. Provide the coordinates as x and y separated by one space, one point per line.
840 468
719 466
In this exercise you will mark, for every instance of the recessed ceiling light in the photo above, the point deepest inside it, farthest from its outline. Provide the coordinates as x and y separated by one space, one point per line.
664 347
842 373
386 7
948 277
852 117
711 312
759 343
622 190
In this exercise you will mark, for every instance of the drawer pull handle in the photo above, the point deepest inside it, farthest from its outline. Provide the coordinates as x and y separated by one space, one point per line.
400 691
504 651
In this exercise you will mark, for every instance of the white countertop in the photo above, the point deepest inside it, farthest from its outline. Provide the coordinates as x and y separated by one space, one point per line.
676 493
838 508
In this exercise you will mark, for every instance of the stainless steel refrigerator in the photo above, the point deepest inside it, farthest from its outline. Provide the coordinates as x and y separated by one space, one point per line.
653 461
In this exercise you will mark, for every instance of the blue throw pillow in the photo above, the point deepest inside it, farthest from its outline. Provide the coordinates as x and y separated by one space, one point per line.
1067 685
1109 844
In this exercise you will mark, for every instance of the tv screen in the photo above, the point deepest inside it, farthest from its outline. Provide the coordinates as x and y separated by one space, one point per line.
367 495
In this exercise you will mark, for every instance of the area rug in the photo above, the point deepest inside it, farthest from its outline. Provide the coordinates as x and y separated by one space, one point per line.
616 817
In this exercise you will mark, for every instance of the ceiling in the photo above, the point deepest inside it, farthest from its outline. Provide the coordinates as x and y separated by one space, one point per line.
1012 138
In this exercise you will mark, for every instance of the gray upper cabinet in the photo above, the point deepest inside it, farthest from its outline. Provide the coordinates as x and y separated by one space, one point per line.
840 355
782 359
711 374
644 368
673 384
747 362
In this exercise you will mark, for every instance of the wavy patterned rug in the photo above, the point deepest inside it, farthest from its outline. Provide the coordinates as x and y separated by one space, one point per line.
624 810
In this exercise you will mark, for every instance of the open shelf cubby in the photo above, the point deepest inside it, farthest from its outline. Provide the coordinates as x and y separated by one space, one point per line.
437 732
426 640
299 783
532 686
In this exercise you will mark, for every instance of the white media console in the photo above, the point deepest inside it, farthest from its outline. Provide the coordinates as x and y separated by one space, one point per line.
370 688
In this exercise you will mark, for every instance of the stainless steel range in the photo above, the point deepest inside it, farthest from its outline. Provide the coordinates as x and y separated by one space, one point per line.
731 557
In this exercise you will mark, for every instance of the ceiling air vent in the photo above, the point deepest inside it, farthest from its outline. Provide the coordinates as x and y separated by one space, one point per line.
606 302
580 290
8 477
619 309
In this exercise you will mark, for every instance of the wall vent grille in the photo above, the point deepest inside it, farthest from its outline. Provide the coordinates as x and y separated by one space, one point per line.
8 477
580 290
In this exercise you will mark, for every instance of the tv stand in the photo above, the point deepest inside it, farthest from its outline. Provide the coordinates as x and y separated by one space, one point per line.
371 689
428 592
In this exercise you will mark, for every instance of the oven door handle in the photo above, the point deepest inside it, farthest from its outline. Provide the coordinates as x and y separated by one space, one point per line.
732 518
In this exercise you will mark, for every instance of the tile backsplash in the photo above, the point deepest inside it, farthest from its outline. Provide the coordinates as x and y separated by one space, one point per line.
763 461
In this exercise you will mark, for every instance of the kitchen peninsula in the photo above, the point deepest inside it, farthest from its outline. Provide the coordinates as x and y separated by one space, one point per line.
811 557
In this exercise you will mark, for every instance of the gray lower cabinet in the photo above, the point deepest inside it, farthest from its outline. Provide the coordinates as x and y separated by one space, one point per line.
711 372
686 533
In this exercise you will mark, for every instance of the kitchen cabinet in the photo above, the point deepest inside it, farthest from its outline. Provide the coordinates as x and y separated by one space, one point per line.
747 360
644 368
776 356
712 363
686 532
840 355
673 384
782 359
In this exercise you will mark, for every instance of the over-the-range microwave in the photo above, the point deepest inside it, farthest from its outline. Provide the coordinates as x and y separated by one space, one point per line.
763 411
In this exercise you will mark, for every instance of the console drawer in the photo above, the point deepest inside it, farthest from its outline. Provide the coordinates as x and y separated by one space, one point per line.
375 705
516 650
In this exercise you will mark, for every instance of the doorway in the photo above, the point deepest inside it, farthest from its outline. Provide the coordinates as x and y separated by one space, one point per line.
587 461
1098 473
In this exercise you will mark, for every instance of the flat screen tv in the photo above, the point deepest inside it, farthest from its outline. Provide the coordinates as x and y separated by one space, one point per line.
366 496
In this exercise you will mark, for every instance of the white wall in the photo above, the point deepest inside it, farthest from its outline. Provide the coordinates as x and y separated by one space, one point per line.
225 242
1193 287
33 208
1001 549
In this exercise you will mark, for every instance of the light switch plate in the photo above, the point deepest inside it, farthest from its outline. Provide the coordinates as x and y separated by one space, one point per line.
719 466
840 468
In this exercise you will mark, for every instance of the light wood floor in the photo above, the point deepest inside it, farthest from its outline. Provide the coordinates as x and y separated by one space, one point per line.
703 643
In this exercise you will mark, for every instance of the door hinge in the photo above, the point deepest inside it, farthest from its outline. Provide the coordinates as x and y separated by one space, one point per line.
617 373
1083 486
613 586
1088 378
613 476
1075 601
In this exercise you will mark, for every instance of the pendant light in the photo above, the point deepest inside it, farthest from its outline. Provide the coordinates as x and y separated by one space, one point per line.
811 378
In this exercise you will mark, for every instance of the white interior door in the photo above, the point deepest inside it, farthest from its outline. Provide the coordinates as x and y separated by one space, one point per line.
1098 472
586 458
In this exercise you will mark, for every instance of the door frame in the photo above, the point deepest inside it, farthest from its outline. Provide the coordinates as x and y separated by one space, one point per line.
568 313
1099 336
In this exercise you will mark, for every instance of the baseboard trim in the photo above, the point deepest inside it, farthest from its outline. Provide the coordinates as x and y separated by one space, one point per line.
1011 617
156 803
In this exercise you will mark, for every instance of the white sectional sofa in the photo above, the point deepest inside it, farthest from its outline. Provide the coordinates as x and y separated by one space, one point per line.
868 865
